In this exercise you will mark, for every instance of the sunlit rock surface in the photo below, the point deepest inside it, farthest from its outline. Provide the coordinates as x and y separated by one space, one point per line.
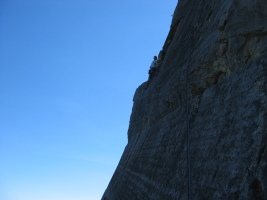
223 44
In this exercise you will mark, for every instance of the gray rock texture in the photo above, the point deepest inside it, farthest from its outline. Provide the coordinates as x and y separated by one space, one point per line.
220 47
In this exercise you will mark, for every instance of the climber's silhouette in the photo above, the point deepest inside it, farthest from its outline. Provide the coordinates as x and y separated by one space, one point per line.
153 67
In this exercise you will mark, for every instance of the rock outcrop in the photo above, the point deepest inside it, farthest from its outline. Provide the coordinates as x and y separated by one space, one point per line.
218 47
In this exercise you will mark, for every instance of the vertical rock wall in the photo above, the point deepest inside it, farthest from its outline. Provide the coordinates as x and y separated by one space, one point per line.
223 45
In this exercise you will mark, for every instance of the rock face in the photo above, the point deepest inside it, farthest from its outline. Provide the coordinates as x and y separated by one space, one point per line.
218 47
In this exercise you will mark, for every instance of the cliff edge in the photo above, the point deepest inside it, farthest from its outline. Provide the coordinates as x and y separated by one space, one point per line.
212 80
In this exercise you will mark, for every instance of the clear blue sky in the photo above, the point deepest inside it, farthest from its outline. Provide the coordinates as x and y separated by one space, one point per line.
68 73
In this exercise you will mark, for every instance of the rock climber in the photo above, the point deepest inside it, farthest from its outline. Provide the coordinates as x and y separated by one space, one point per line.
153 67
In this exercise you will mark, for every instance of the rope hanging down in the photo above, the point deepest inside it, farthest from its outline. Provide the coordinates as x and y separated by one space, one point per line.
189 175
189 179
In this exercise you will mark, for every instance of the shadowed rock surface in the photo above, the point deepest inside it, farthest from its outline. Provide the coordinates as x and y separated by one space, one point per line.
223 44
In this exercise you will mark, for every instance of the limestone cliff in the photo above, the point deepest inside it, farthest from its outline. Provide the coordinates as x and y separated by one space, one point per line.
218 47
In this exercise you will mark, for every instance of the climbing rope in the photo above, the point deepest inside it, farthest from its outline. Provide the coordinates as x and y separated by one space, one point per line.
189 179
189 174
